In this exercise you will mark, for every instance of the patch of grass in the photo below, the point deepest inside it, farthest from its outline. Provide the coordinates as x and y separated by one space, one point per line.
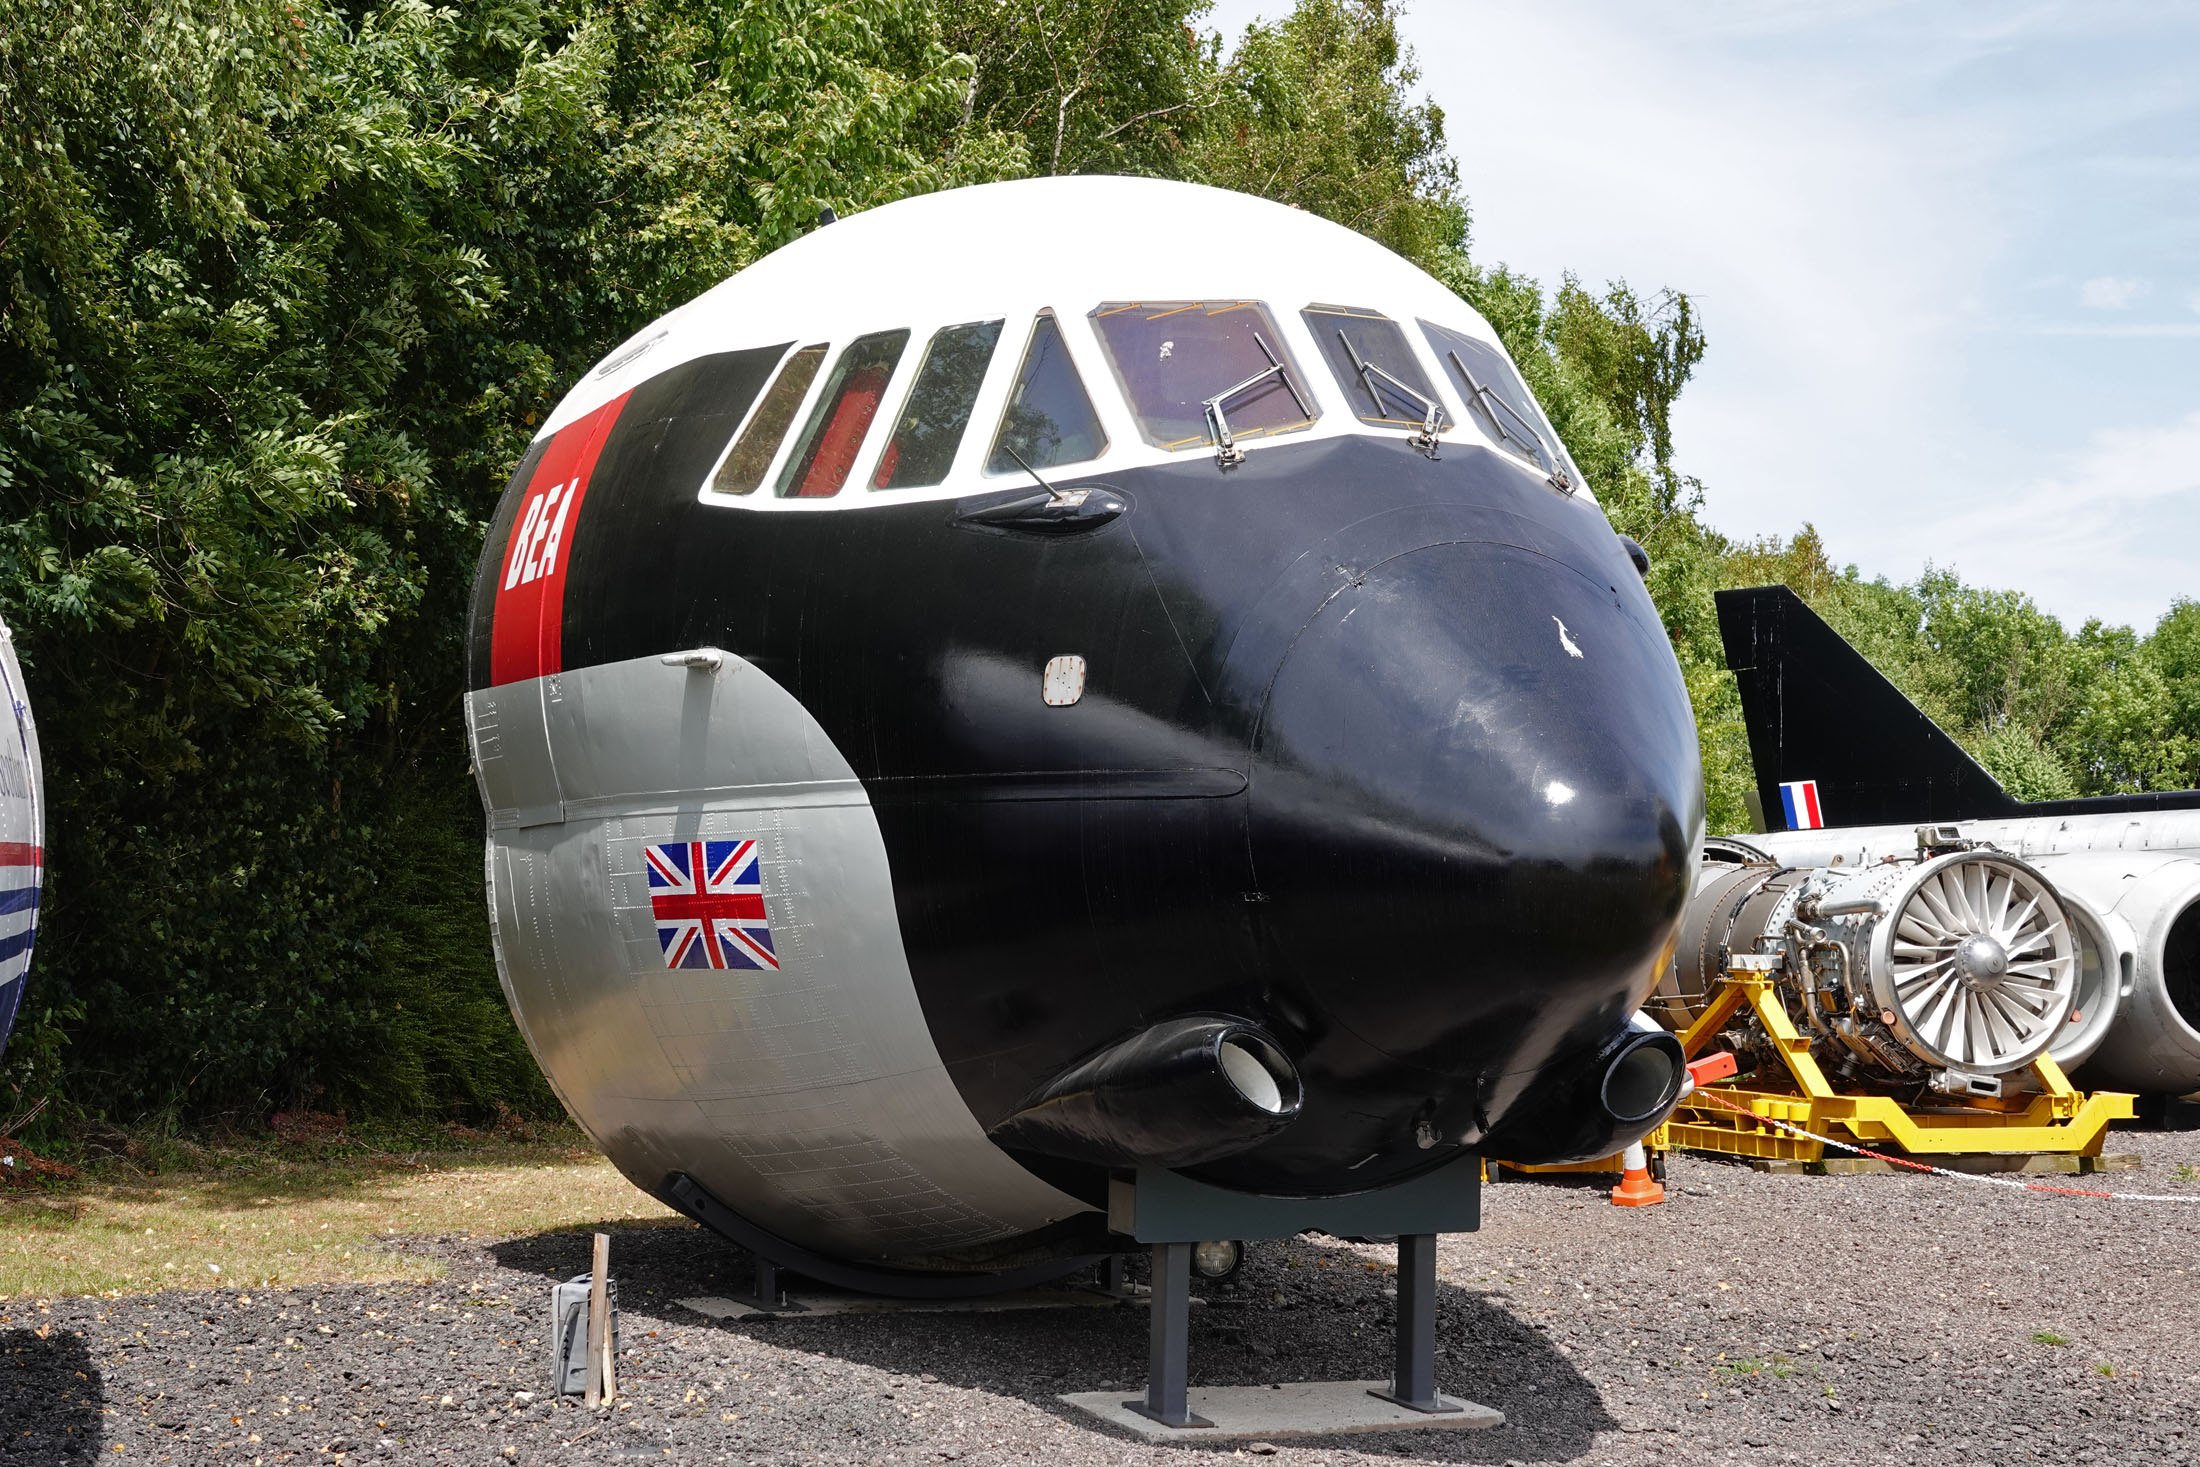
2185 1171
161 1143
2104 1368
2049 1337
1779 1367
276 1215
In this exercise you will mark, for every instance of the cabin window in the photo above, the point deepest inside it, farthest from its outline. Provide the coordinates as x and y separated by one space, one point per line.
922 449
752 453
1174 358
1374 366
1498 399
1049 419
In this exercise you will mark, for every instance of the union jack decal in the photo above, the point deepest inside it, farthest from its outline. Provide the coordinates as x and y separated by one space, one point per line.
708 899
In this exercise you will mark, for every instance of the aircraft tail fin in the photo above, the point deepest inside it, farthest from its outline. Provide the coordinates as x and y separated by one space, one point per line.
1833 742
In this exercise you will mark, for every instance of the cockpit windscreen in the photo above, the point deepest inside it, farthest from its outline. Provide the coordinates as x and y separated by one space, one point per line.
1174 358
752 453
1374 365
922 449
1498 399
1049 419
842 416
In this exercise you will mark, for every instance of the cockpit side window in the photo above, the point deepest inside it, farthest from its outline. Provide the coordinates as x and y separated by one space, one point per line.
1179 361
1049 420
752 454
841 417
1499 400
1374 366
922 449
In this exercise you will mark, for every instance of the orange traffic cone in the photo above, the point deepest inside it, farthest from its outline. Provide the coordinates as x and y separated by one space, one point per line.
1635 1188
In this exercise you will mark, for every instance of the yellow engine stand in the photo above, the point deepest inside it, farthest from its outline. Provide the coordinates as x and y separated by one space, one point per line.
2059 1120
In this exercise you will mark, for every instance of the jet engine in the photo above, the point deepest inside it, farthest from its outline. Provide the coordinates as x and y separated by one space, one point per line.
1849 767
1944 970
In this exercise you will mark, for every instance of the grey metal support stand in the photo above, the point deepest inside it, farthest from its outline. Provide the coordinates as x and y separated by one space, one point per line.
1169 1339
1413 1380
770 1296
768 1292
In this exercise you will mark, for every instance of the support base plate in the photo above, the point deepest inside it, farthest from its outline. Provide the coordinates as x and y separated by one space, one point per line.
817 1303
1302 1408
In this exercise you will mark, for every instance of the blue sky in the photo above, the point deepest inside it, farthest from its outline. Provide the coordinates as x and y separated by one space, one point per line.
1947 256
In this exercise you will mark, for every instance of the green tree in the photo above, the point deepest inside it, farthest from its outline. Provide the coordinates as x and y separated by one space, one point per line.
1317 110
1109 87
288 286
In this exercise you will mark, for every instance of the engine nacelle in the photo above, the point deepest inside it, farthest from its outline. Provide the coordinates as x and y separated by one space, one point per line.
2150 904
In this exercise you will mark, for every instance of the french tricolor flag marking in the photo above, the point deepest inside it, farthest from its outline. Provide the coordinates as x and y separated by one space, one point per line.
1800 801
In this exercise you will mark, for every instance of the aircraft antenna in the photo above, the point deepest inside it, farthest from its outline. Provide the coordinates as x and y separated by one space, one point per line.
1058 495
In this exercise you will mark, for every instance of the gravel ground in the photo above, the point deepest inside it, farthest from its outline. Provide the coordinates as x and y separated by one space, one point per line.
1751 1319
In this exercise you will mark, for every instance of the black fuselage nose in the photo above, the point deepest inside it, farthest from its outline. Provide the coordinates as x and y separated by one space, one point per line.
1475 791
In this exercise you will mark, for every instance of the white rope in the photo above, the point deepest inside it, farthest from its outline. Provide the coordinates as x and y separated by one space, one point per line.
1703 1093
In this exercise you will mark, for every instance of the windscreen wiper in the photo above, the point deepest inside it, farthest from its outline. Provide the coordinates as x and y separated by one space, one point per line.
1227 453
1432 413
1491 404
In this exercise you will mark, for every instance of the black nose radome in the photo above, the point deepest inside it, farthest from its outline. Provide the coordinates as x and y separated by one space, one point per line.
1475 790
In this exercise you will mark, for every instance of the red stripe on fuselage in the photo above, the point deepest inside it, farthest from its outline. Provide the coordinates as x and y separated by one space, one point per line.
528 636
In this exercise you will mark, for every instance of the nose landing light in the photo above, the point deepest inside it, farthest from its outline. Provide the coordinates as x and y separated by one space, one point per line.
1643 1079
1181 1093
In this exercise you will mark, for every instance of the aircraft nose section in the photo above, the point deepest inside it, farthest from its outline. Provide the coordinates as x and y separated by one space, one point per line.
1475 798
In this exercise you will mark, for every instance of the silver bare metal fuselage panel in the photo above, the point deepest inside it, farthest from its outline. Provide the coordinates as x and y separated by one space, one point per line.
810 1098
22 830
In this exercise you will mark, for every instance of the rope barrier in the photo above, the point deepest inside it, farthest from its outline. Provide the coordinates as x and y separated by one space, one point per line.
1703 1093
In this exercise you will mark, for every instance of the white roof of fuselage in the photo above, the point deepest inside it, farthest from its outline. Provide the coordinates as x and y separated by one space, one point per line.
1011 249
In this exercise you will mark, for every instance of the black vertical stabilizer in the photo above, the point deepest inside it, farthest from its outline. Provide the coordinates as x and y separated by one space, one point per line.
1816 710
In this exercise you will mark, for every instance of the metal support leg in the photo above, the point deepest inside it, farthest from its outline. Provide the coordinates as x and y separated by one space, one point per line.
1413 1381
1115 1277
1169 1339
767 1284
770 1294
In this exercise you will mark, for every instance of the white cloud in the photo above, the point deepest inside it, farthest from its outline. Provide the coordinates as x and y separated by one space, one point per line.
2108 535
2122 328
2111 292
1877 209
1833 240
